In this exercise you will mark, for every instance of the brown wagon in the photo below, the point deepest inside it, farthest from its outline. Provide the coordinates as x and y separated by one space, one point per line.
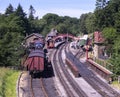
35 62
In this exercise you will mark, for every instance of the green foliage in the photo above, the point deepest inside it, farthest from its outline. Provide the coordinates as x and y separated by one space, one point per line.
117 21
62 24
100 4
61 28
107 20
31 13
22 20
9 10
10 49
87 23
108 16
115 60
51 19
116 46
19 12
10 83
8 79
90 23
109 34
82 23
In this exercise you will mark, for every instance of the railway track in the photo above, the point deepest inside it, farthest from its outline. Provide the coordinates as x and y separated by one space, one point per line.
72 89
18 85
77 52
37 88
101 87
28 87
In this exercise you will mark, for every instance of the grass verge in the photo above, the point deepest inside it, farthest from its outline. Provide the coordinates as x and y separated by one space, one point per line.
116 85
8 79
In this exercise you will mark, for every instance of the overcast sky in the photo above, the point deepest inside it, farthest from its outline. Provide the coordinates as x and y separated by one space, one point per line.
72 8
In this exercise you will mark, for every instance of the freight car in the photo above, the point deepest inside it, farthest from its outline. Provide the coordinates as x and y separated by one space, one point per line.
34 63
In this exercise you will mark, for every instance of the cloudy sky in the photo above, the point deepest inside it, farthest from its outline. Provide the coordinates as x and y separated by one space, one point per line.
72 8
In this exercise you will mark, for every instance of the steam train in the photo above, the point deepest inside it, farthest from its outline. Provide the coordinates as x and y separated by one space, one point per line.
34 62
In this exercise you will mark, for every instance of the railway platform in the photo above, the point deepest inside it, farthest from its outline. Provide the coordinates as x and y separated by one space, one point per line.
102 71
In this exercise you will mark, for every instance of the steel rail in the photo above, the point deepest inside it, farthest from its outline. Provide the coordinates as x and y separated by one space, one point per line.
74 84
41 86
62 80
18 84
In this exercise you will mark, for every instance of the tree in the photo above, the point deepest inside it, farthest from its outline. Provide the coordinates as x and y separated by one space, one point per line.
3 26
90 23
33 22
108 16
31 12
9 10
117 21
10 49
110 34
61 28
22 19
51 19
100 4
116 46
19 12
115 61
82 23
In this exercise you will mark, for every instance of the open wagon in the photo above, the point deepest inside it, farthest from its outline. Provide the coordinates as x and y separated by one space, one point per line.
35 62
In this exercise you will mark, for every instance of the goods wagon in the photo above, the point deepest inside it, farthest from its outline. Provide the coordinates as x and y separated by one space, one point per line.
35 62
